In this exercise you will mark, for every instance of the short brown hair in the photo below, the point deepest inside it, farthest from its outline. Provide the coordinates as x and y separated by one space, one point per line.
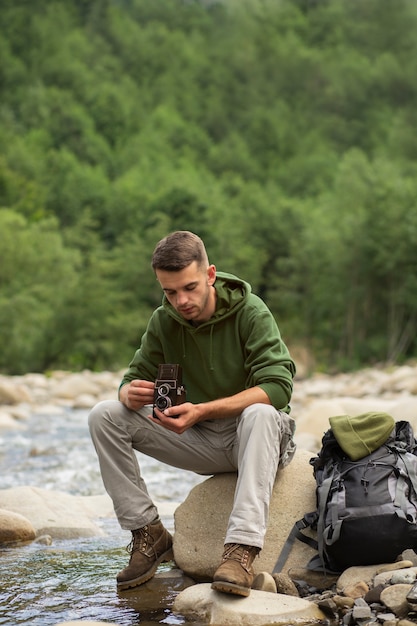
178 250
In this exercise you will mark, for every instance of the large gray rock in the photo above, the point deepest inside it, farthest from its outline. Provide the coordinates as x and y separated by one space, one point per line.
201 521
60 515
12 392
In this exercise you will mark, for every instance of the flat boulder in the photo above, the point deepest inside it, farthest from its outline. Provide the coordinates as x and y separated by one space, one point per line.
260 607
60 515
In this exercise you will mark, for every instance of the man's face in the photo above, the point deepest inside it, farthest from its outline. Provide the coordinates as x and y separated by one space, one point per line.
190 291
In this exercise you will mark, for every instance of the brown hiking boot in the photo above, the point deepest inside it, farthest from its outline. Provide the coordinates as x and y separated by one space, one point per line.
235 573
150 546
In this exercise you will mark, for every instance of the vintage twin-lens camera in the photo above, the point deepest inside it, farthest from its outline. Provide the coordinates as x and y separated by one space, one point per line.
169 390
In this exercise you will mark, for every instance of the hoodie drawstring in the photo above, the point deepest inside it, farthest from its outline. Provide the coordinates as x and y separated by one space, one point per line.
211 348
184 353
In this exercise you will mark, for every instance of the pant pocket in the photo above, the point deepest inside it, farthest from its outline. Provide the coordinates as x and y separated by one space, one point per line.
288 445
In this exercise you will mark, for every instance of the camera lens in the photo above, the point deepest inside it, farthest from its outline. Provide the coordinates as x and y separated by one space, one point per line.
163 390
163 403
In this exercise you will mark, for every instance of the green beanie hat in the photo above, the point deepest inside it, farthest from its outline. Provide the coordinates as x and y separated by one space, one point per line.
360 435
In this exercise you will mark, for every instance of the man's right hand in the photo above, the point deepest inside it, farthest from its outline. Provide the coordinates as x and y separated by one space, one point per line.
137 393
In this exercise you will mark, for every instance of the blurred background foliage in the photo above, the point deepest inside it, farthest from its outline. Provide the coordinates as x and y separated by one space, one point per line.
281 131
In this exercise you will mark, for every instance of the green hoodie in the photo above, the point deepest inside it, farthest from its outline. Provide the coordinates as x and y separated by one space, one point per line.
239 347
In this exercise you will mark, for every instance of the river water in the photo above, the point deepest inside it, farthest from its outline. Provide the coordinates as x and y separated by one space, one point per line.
74 579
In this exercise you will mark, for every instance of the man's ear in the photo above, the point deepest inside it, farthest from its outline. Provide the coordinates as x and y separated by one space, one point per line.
211 274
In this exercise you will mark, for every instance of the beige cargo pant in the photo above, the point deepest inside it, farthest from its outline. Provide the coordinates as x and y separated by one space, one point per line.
254 445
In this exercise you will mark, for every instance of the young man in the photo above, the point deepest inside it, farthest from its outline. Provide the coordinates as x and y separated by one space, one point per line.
238 378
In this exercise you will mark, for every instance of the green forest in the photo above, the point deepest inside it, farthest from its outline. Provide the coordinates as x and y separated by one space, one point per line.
283 132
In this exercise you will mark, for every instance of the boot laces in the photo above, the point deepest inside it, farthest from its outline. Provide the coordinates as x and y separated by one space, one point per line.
140 540
240 553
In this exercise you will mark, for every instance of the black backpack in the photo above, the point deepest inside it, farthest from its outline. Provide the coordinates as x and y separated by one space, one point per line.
366 510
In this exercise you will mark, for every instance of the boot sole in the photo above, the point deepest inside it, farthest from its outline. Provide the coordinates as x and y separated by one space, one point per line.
225 587
129 584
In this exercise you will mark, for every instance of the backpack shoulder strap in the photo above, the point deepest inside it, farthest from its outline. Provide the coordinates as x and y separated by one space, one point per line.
404 444
307 521
410 465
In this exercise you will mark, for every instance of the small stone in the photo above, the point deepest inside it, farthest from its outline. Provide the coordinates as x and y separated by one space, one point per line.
358 590
407 577
343 602
395 598
328 607
410 555
389 567
374 595
285 585
361 610
264 582
386 617
44 540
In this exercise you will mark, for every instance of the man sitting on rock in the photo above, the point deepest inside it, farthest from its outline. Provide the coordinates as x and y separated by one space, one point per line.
238 378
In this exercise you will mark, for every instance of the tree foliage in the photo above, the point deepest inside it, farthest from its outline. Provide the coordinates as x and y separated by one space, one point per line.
281 131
